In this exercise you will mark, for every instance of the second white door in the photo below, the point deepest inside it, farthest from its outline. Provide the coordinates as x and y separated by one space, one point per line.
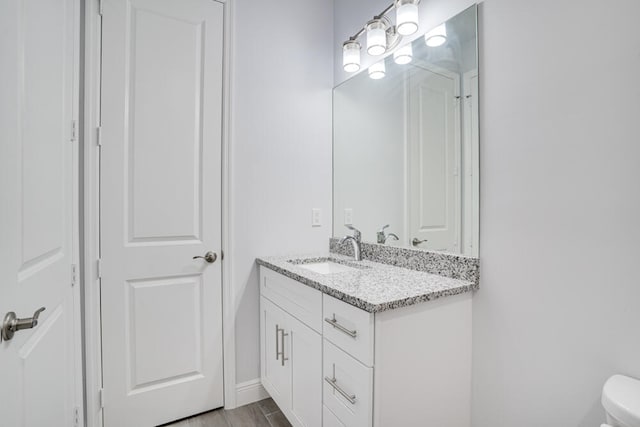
161 207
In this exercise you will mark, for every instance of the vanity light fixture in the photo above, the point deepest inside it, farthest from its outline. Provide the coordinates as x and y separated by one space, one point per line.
437 36
382 36
407 16
404 55
377 70
376 37
351 56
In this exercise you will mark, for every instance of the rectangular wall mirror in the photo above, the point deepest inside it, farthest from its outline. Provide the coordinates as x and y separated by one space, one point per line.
405 144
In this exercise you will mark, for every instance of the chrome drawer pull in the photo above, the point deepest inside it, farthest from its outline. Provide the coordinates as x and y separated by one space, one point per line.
334 383
333 322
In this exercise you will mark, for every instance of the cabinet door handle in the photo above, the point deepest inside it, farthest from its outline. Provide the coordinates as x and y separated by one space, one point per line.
282 335
333 322
334 383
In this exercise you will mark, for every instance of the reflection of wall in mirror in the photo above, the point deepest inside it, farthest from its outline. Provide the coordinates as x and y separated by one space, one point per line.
369 156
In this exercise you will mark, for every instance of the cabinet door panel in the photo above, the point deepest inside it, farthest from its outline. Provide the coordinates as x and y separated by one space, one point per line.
276 376
306 374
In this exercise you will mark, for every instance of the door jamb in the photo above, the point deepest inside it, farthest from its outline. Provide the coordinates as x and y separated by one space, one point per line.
91 215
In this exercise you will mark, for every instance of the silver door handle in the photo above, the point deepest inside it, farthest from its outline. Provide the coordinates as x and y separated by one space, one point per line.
416 241
210 257
12 324
282 335
333 322
334 383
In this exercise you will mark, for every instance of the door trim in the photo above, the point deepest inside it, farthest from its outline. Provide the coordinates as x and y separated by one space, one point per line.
90 216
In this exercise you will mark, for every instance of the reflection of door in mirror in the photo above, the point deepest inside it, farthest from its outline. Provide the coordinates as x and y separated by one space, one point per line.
433 149
471 181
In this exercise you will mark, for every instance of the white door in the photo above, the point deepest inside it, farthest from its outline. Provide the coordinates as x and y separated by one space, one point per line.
434 160
275 364
160 167
40 367
306 374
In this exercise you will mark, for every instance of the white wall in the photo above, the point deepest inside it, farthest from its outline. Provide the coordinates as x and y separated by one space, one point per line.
280 147
558 309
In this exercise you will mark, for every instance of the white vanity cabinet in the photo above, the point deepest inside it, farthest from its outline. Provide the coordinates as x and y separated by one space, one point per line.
328 363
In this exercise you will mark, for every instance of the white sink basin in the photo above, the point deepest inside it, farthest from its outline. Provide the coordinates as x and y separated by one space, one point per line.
327 267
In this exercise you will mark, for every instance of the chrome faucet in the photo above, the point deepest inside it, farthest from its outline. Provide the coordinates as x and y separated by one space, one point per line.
356 240
383 237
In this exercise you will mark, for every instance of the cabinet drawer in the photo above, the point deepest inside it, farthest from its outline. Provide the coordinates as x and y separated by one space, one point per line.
329 419
297 299
348 387
349 328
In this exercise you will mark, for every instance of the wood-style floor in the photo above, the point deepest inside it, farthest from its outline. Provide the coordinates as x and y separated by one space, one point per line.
260 414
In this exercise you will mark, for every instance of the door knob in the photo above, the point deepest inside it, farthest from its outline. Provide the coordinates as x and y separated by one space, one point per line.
11 323
210 257
416 241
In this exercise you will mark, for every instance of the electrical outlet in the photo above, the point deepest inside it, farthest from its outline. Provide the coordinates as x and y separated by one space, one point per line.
348 216
316 217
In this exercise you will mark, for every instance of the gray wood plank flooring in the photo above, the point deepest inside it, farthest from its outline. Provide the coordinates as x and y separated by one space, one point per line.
264 413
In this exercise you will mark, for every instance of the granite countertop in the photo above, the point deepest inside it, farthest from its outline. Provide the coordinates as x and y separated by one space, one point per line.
370 286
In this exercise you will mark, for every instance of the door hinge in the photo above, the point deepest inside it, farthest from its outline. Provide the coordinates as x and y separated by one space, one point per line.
74 130
101 398
100 7
76 417
74 274
99 136
99 267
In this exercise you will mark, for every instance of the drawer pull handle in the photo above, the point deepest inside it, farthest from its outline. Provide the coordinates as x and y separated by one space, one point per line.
334 383
333 322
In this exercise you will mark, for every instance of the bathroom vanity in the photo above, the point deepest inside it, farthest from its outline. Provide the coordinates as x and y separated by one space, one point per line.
385 340
358 344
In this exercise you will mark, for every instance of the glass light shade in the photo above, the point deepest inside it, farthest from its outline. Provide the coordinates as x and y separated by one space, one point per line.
404 55
437 36
407 17
376 37
377 70
351 56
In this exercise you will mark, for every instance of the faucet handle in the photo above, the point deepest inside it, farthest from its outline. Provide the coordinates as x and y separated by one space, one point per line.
356 233
383 228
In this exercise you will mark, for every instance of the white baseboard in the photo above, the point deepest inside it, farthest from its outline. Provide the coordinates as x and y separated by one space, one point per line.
249 392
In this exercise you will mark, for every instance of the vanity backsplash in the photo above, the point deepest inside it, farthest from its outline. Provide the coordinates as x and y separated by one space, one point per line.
444 264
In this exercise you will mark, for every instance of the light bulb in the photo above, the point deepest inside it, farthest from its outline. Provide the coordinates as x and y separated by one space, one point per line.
376 37
351 56
404 55
437 36
407 16
377 70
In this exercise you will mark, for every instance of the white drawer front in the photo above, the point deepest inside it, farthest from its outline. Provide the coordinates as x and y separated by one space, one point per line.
297 299
329 419
347 388
349 328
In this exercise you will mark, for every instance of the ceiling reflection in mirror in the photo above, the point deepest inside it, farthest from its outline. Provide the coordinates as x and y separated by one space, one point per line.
405 150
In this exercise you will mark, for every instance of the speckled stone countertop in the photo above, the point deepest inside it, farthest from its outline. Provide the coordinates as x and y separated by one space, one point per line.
371 286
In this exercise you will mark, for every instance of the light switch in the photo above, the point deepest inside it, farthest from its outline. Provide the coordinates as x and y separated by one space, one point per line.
348 216
316 217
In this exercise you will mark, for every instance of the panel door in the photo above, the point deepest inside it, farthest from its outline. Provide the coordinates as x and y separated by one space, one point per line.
434 160
306 375
275 346
160 207
40 368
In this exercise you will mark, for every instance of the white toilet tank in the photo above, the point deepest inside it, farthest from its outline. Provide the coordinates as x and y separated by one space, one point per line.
621 400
